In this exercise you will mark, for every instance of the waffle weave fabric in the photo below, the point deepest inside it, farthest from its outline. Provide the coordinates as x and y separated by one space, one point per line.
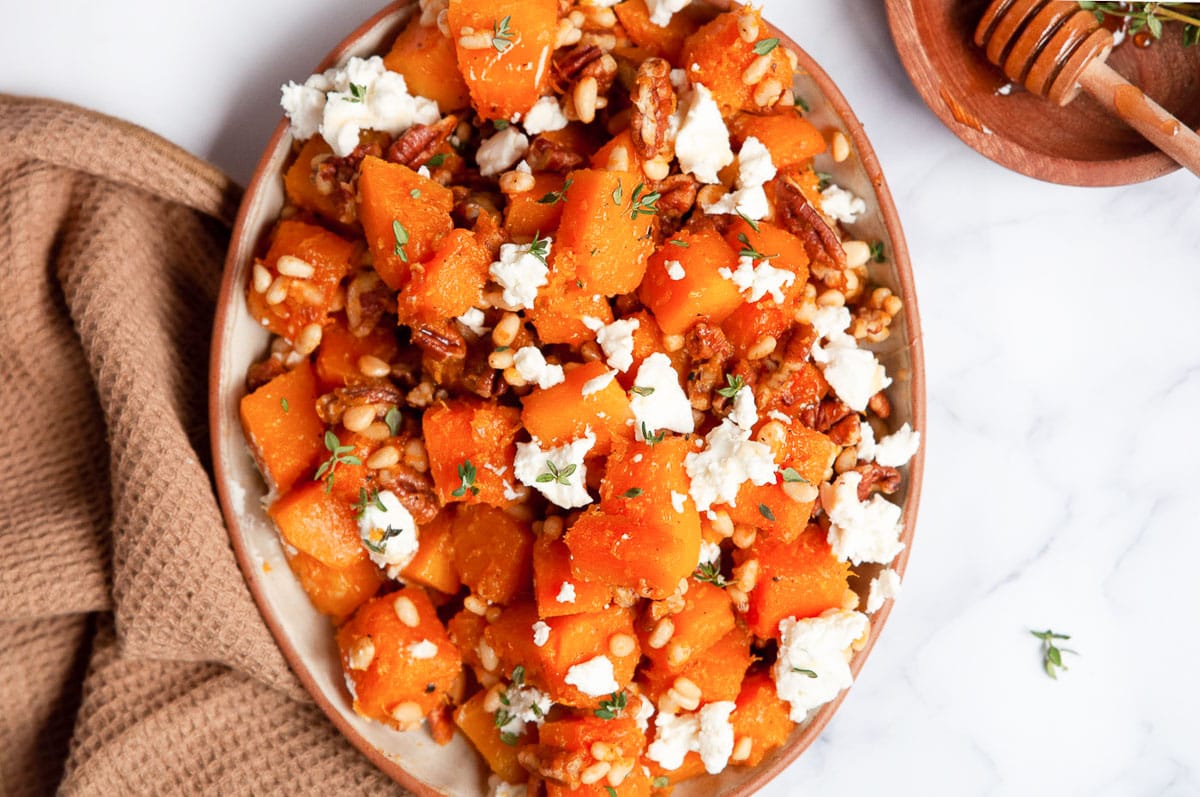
132 657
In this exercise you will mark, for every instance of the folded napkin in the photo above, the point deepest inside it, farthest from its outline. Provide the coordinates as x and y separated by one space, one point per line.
132 657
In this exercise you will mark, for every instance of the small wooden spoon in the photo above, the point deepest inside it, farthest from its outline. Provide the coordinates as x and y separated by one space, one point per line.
1055 49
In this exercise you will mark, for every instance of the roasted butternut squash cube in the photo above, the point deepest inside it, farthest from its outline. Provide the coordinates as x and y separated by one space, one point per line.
400 672
716 56
340 351
471 445
701 291
537 210
466 630
449 284
283 429
801 578
433 565
492 553
608 224
510 636
336 592
404 217
808 454
706 617
567 736
426 59
557 415
302 190
791 139
752 321
504 49
623 140
551 570
718 673
479 725
561 305
662 41
762 716
318 524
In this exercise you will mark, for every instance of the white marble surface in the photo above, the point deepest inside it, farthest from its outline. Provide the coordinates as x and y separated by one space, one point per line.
1062 485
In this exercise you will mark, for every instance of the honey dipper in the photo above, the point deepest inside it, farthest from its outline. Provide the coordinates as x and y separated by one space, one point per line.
1055 49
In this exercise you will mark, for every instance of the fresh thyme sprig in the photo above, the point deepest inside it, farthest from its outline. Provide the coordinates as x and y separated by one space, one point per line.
338 455
652 438
540 247
1149 17
466 478
1051 653
401 235
560 195
710 572
749 251
366 499
556 474
735 383
502 35
643 203
611 708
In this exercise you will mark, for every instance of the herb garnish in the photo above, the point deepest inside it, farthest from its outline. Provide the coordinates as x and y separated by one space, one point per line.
766 512
753 224
284 403
556 196
736 383
466 477
710 572
1052 654
502 35
661 782
765 46
800 103
632 492
611 708
652 439
679 243
824 180
809 673
436 160
641 391
557 475
499 124
643 203
415 193
877 252
338 455
618 194
392 419
793 475
749 251
401 235
357 93
366 499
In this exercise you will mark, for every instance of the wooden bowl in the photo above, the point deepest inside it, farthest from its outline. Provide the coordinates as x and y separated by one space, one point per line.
306 638
1080 144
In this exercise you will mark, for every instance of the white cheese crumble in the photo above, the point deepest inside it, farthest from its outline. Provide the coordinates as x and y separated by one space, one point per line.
598 383
566 593
545 115
702 144
615 340
897 449
860 532
520 273
818 645
661 11
707 732
853 373
1007 88
866 442
423 649
755 168
341 103
473 320
567 489
884 587
501 151
744 412
756 282
710 553
498 787
840 204
541 633
675 270
644 713
525 704
665 405
532 366
594 677
678 501
729 460
389 534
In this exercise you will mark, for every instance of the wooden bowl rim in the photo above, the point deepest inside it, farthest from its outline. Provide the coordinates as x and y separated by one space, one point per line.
230 292
996 146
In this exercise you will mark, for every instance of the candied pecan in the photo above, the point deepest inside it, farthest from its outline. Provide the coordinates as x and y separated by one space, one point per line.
653 103
262 372
876 478
368 299
331 406
567 66
705 341
604 70
419 143
677 195
823 416
705 377
554 764
413 489
799 217
846 432
337 178
441 724
469 205
547 155
441 341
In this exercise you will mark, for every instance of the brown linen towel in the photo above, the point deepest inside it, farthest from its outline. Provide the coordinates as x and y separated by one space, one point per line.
132 657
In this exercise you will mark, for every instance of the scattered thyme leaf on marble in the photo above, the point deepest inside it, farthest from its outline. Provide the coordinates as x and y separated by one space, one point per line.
1052 661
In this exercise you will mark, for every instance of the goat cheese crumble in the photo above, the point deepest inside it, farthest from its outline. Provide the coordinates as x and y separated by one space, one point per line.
729 460
615 340
566 593
544 116
497 787
499 152
819 645
853 373
707 732
860 532
702 144
541 633
341 103
474 320
675 270
598 383
661 404
744 412
594 677
389 534
710 553
678 501
532 366
884 587
520 272
661 11
749 199
840 204
537 469
755 282
525 704
897 449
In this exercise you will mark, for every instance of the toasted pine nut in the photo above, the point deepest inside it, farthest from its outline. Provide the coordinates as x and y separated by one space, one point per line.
277 292
376 431
710 194
601 751
673 342
747 25
846 460
767 92
620 770
567 34
475 41
552 527
762 347
678 654
839 146
742 749
488 657
595 773
512 377
262 278
516 182
584 97
656 168
892 305
668 702
722 524
385 457
407 715
406 610
308 340
757 70
662 633
372 366
621 645
685 702
773 433
744 535
491 700
601 16
740 600
492 614
292 266
686 687
857 253
358 417
577 18
415 455
831 298
501 359
746 575
361 654
506 329
618 159
800 492
475 605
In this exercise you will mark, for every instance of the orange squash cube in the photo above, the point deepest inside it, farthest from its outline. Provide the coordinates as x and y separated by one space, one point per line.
537 210
318 524
716 56
336 592
511 637
571 734
283 429
479 725
447 286
340 351
302 191
801 578
552 569
433 566
478 437
492 553
608 224
557 415
466 630
426 59
702 292
706 617
718 673
561 305
791 139
662 41
624 140
762 716
392 194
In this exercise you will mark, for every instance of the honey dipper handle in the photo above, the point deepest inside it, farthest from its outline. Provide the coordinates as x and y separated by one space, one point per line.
1143 114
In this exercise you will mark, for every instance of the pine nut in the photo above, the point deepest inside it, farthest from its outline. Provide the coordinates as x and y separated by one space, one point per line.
361 654
506 329
492 614
595 773
792 59
407 715
291 266
746 575
262 278
516 182
512 377
800 492
567 34
601 751
710 194
385 457
577 18
406 610
277 292
416 456
443 22
338 302
618 159
501 359
475 605
741 750
377 432
684 702
892 305
678 654
488 657
625 597
474 41
686 687
857 253
492 701
584 97
831 298
601 16
757 70
372 366
767 92
774 434
673 343
787 99
740 600
358 417
747 25
839 146
620 770
846 460
621 645
308 340
552 527
744 535
762 347
309 293
656 168
662 633
667 703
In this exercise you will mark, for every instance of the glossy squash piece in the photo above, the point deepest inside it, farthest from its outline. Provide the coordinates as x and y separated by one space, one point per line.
801 578
492 553
718 672
302 190
449 284
433 566
479 725
392 194
791 139
340 351
762 716
551 570
608 224
702 292
469 436
557 415
283 429
318 524
662 41
308 300
716 56
336 592
426 59
536 211
562 304
768 507
707 616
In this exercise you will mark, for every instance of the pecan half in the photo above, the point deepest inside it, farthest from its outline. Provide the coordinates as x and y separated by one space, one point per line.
554 764
825 415
331 406
262 372
439 342
368 299
419 143
880 405
337 178
653 103
413 489
847 431
705 341
677 195
441 724
568 66
799 217
876 478
546 155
